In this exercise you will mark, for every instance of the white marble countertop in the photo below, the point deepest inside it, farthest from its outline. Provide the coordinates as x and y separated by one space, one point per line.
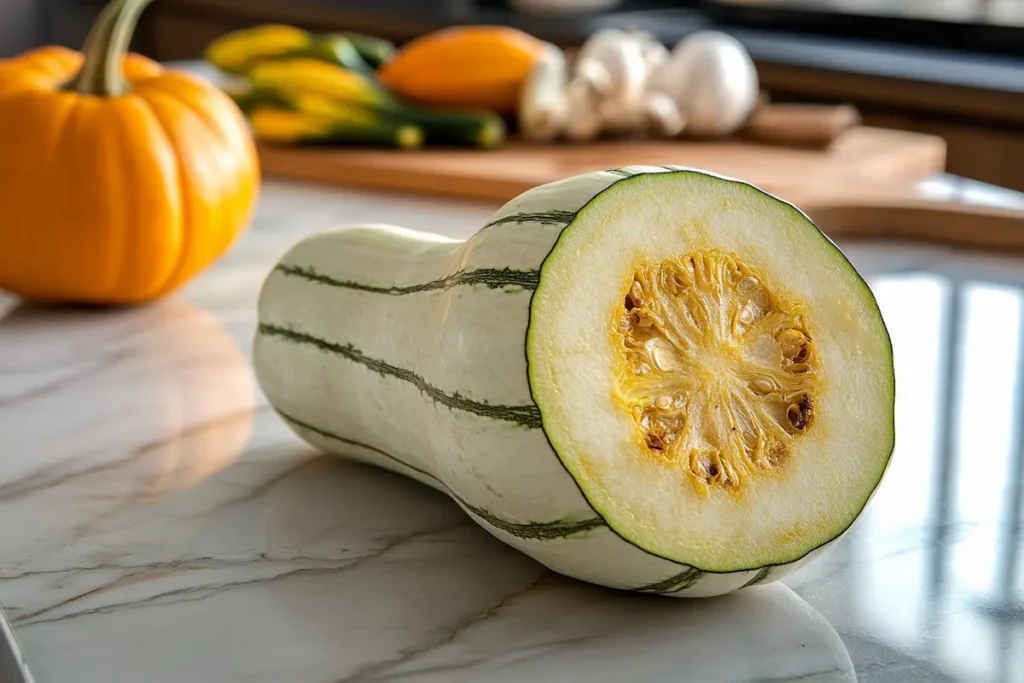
160 524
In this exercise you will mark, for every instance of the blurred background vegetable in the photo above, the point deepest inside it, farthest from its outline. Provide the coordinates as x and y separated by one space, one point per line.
465 66
238 51
297 87
474 86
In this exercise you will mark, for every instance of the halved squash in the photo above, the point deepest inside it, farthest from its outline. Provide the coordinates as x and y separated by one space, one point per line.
651 378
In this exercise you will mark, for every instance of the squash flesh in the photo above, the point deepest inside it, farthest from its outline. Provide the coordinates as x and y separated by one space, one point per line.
576 366
717 370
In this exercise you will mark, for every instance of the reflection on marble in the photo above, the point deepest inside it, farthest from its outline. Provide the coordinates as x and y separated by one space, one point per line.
932 570
161 524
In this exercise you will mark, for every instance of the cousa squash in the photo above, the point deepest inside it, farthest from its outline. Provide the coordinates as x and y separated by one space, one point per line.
650 378
122 180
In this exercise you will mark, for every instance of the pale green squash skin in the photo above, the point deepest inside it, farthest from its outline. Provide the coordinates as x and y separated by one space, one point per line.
407 352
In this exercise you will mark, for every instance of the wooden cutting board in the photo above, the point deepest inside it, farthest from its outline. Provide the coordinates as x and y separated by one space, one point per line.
862 186
860 157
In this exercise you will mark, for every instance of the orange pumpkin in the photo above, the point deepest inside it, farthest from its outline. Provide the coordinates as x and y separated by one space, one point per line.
119 180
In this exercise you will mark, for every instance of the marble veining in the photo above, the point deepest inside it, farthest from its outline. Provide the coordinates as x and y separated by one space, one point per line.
160 523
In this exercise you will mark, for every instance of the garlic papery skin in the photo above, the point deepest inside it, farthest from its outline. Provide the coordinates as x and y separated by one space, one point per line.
714 82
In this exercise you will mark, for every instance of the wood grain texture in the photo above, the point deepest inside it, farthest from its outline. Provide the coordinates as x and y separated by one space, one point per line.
862 186
900 216
861 157
799 125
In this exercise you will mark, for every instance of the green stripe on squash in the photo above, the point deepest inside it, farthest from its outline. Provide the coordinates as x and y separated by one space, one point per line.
675 583
760 577
561 218
537 531
492 278
525 416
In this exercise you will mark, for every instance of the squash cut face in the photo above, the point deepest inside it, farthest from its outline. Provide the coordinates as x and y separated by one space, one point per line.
717 370
712 372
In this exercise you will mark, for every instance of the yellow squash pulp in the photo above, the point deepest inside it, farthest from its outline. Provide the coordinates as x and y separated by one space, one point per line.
717 369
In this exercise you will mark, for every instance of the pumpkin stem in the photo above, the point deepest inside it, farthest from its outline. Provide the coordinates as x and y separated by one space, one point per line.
102 71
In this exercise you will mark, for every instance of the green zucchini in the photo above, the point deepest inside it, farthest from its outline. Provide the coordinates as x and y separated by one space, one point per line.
333 49
308 119
294 78
239 51
480 128
339 126
375 51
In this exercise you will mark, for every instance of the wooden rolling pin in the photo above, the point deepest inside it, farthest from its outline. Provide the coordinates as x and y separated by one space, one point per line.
799 125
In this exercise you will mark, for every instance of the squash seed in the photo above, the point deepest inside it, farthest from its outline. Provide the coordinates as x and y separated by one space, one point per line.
707 327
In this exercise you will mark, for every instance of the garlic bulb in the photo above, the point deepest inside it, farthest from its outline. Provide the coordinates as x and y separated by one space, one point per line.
662 114
713 81
584 120
543 102
656 56
628 83
610 75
